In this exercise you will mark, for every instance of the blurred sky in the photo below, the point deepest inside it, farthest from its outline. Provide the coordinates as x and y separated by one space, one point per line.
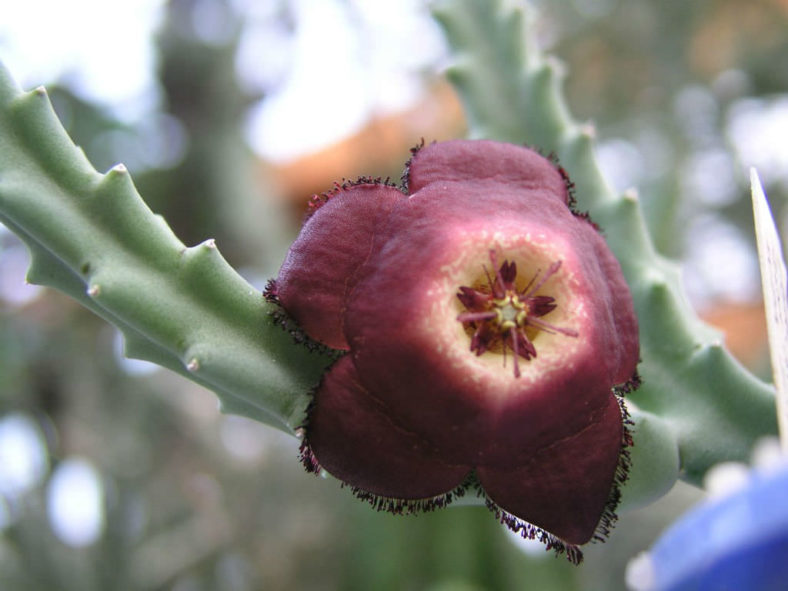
342 62
100 49
325 73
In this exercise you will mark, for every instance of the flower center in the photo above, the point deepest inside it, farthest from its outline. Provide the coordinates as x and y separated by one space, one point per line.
500 316
510 311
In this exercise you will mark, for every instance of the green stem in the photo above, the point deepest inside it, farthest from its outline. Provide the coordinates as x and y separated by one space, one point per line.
91 236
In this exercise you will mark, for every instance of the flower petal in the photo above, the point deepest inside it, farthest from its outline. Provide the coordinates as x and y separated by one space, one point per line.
622 324
444 377
479 161
318 273
564 487
413 354
355 440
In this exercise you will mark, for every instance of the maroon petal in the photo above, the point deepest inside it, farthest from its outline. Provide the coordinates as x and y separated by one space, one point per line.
354 438
621 322
479 161
564 487
414 356
318 274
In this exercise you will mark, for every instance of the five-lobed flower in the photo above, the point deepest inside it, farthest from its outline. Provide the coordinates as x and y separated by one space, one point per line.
488 331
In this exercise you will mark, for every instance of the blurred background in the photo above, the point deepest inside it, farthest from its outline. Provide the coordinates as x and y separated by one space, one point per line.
230 114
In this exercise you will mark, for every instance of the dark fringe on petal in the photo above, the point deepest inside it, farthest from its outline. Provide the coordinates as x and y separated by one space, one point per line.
283 320
584 215
412 506
609 516
405 178
319 200
629 386
308 458
381 503
571 189
305 454
531 532
270 293
570 185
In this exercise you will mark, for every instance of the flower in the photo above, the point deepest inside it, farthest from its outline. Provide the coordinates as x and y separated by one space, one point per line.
488 331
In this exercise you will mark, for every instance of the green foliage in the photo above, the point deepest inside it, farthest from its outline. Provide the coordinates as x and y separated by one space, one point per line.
92 237
697 405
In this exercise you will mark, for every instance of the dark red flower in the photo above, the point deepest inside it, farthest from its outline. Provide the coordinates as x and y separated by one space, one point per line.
487 328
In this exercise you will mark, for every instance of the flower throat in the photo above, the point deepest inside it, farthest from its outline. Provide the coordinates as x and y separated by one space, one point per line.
500 316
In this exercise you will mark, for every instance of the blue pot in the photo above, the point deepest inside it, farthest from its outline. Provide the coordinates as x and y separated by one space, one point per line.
739 542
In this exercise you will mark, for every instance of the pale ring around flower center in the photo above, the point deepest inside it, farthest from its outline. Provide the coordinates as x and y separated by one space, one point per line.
503 316
465 261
